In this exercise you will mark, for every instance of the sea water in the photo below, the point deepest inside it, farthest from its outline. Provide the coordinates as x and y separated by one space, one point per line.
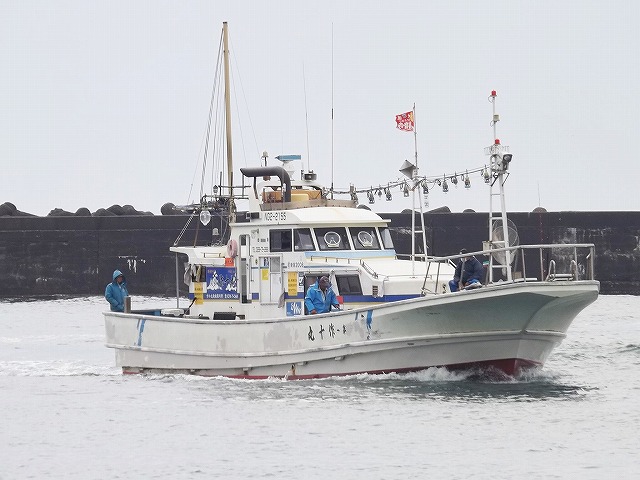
68 412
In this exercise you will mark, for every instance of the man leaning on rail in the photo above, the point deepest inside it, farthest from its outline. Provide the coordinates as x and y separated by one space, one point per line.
320 297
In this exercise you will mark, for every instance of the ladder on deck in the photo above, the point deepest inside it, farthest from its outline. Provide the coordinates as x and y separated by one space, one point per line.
411 171
422 231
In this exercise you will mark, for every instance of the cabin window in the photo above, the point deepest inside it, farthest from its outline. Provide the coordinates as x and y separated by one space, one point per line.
349 285
387 242
302 240
332 238
364 238
280 240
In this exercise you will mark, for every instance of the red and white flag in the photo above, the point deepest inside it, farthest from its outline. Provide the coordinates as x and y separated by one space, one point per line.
404 121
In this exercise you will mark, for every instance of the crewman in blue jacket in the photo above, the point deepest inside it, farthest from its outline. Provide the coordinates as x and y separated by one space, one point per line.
468 273
116 291
320 297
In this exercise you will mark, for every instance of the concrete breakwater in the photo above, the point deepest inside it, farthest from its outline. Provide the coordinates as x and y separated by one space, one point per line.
75 255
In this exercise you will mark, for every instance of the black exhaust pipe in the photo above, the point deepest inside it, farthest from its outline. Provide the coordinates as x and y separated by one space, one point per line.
281 173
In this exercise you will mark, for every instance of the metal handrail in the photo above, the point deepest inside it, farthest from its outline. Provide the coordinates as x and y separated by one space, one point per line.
547 272
368 269
551 274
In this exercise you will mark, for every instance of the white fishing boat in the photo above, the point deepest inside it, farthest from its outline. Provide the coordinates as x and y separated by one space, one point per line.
247 315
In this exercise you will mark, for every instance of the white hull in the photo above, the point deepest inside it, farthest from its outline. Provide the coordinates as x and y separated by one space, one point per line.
510 326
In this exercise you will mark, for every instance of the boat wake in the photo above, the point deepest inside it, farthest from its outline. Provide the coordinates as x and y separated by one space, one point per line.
474 385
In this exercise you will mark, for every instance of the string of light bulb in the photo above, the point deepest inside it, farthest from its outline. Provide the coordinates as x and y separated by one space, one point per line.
425 183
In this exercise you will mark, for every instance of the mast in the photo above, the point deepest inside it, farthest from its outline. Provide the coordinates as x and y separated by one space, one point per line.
415 136
410 170
227 106
413 195
499 164
414 186
332 111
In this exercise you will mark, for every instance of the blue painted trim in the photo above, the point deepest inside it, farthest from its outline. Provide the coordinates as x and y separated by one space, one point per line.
346 298
141 323
359 298
350 253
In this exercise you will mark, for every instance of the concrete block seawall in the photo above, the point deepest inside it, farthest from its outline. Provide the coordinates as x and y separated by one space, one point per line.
77 255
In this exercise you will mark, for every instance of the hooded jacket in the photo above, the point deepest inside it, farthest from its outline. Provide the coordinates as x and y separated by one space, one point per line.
472 270
315 300
115 293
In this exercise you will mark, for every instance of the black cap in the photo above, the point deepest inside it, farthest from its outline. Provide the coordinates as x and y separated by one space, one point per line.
464 250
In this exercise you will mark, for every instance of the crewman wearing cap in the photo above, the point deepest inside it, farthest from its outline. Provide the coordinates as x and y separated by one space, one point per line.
320 297
468 273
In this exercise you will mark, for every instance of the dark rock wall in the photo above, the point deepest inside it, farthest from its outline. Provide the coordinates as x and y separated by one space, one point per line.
75 255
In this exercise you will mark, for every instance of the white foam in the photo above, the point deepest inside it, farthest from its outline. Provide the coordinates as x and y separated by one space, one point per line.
32 368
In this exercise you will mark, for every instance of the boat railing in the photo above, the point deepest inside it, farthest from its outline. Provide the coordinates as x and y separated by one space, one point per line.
530 263
357 262
368 269
335 260
360 263
420 257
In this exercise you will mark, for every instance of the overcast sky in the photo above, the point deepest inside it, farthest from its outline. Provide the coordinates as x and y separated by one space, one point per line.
106 102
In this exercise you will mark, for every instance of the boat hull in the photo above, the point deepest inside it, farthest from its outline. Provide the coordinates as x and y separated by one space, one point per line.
511 327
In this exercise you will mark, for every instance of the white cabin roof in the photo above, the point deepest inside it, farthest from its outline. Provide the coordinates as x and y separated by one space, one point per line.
338 215
200 253
318 216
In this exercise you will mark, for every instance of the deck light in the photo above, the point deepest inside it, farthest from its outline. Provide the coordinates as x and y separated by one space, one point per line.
506 160
371 197
387 193
445 186
467 182
354 195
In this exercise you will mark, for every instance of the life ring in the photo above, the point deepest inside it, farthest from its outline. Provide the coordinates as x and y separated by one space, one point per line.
232 248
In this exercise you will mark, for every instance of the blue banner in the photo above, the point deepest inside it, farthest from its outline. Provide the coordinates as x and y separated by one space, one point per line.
222 284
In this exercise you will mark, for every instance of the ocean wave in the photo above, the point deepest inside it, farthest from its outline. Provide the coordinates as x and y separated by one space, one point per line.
33 368
631 348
